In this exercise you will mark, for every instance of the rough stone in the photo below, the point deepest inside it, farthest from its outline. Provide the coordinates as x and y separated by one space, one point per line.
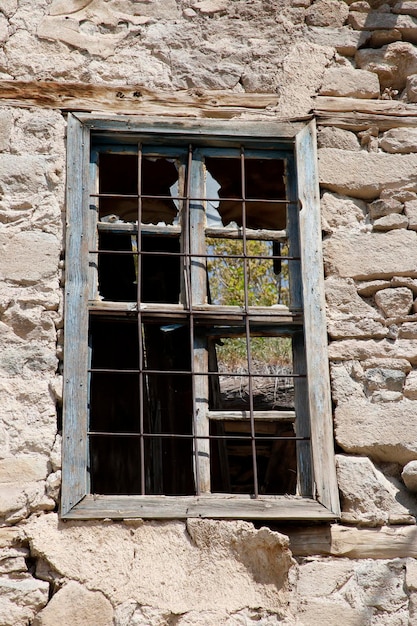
410 210
28 257
332 137
211 7
344 301
344 385
350 83
345 40
327 13
410 388
399 140
302 75
338 211
409 476
381 378
370 498
408 330
358 329
363 174
366 256
23 468
29 415
74 605
411 88
395 364
383 431
348 314
393 63
368 288
352 593
405 24
390 222
20 599
112 557
386 396
360 5
395 302
350 349
405 7
402 195
383 207
405 281
381 38
6 126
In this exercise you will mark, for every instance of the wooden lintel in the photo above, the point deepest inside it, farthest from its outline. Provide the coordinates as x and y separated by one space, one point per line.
359 114
132 99
388 542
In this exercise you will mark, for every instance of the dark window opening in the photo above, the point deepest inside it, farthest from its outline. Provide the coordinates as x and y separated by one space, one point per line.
193 375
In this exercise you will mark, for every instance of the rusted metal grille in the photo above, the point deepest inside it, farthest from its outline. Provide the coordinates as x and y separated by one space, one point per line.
161 377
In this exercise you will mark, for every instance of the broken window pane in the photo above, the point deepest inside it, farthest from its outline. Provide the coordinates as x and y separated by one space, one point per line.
118 272
113 407
263 180
119 176
232 468
271 372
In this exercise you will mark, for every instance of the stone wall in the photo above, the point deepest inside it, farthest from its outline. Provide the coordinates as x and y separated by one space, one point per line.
205 572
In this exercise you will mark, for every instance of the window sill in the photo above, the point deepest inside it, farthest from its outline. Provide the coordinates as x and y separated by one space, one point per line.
220 506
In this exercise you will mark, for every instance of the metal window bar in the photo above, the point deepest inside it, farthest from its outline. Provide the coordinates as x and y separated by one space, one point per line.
119 196
99 433
140 332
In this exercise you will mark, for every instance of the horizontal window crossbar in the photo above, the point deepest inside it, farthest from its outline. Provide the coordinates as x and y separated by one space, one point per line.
120 196
248 437
196 256
192 373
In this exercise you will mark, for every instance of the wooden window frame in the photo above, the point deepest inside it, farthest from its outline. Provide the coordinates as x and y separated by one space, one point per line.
76 501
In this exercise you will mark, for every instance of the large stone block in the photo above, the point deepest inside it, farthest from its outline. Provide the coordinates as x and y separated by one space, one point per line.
370 498
344 39
327 13
395 302
365 174
405 7
399 140
20 599
373 350
169 566
23 468
343 81
332 137
383 431
338 211
393 63
28 413
370 256
74 605
351 592
29 257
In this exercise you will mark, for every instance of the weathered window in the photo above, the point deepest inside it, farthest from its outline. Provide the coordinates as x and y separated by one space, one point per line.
195 363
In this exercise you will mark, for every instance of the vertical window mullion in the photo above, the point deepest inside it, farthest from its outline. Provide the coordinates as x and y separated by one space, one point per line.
302 420
199 346
247 324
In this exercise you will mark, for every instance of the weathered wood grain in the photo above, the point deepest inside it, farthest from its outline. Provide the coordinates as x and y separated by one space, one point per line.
213 506
131 99
354 543
315 320
358 114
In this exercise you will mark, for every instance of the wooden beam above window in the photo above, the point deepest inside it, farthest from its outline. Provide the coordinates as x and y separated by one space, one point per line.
133 99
